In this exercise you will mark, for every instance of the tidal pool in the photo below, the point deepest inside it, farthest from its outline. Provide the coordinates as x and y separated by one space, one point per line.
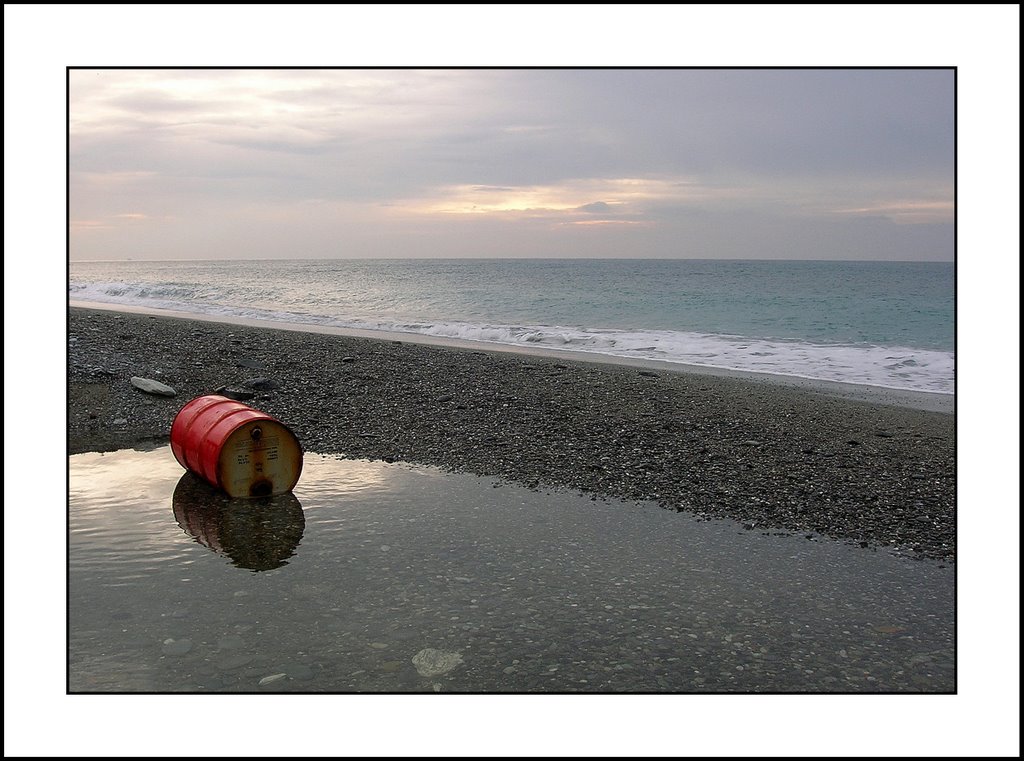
375 577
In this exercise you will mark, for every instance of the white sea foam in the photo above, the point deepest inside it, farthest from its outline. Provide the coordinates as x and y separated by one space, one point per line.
887 366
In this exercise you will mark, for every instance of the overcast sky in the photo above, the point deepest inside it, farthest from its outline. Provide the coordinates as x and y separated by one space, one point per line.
726 163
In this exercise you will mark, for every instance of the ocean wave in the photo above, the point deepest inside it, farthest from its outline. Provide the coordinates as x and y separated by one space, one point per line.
887 366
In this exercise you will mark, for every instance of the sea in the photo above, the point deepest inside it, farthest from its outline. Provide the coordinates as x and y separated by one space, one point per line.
888 324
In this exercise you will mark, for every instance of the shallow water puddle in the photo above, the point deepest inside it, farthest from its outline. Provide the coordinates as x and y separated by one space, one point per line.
377 577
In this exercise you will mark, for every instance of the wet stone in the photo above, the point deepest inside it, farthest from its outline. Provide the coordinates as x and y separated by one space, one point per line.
234 662
430 662
231 642
176 647
299 671
208 681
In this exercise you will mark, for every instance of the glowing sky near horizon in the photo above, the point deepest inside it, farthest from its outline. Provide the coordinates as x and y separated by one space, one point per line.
677 163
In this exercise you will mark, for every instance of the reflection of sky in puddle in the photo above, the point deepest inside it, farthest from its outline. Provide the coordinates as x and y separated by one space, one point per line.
376 573
113 478
107 485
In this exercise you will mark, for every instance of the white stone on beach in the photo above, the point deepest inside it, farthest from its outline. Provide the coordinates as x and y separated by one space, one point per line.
152 387
431 662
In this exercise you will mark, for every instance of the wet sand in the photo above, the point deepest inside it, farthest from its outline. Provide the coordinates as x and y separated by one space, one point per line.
774 454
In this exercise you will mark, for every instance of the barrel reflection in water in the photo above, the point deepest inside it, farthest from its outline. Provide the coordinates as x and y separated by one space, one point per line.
259 534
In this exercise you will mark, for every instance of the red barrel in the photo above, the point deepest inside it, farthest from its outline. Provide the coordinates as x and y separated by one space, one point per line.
241 450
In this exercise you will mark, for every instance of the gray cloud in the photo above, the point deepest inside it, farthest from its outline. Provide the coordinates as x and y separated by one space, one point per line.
788 145
154 102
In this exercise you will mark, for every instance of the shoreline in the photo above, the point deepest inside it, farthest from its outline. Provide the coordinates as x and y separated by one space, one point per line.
920 400
768 454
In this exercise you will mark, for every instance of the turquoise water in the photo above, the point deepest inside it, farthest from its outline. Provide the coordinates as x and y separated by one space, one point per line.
876 323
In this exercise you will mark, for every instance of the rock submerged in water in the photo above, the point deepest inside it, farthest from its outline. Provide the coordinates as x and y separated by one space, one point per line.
430 662
177 646
151 386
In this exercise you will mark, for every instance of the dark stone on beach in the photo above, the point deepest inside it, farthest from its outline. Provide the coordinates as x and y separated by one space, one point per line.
262 384
647 374
445 398
348 359
237 394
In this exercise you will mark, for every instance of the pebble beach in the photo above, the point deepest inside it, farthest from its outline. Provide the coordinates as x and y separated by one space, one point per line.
772 456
